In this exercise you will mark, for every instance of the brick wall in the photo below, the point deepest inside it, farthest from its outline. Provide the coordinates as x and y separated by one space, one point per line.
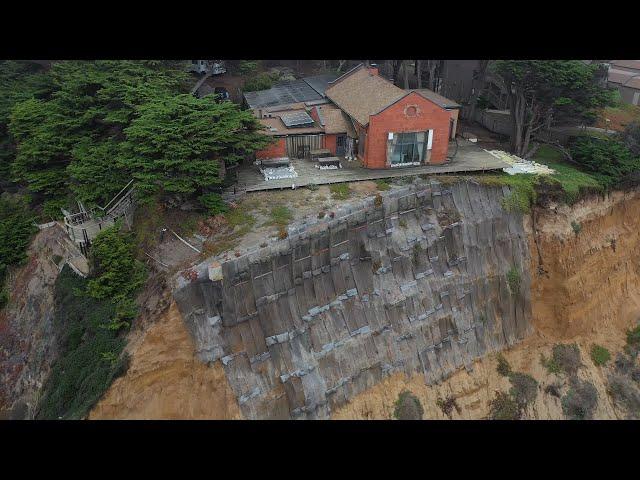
397 118
275 150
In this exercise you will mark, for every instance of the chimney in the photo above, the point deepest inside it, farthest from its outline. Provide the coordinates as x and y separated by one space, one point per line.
373 69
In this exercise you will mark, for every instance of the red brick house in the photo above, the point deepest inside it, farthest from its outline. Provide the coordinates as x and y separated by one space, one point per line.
363 114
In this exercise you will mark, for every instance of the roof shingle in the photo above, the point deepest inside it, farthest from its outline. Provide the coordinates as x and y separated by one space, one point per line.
361 94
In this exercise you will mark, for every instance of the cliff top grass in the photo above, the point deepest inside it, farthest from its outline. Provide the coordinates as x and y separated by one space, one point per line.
573 183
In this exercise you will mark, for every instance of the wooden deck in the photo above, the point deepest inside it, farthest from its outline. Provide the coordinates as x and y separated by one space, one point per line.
469 158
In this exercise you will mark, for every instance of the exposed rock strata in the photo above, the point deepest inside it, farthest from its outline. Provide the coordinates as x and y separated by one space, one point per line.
416 284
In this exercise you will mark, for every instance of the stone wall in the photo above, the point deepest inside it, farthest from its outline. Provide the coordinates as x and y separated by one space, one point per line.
415 282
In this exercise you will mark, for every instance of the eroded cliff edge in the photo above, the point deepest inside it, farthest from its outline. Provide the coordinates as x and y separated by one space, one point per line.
425 279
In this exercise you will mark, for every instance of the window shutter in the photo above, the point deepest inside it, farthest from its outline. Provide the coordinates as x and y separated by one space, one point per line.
430 140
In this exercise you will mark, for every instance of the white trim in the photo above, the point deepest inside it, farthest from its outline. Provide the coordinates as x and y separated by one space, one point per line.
430 140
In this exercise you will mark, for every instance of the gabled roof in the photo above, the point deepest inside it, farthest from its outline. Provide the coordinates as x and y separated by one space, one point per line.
360 94
436 98
334 120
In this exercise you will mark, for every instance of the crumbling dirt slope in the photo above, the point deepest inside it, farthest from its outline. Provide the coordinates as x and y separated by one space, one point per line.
27 333
166 381
589 292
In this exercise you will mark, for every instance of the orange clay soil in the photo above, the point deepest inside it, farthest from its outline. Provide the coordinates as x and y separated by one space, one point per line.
166 381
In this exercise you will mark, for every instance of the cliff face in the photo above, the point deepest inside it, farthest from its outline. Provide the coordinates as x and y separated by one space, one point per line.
27 334
587 292
415 282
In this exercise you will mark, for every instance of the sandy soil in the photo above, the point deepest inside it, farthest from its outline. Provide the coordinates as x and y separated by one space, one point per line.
166 381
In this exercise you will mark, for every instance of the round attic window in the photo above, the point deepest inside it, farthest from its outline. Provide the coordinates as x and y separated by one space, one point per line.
411 111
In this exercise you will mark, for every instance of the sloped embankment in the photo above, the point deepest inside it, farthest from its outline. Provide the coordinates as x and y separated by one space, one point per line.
424 281
165 380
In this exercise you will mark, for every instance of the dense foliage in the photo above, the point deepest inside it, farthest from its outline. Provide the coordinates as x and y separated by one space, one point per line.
90 354
98 124
116 274
89 317
19 81
178 144
609 160
16 230
542 92
70 140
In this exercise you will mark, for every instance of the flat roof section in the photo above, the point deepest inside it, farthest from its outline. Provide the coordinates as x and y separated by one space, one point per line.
296 119
295 91
321 82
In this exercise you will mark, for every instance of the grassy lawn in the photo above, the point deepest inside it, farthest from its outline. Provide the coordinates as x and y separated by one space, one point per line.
575 183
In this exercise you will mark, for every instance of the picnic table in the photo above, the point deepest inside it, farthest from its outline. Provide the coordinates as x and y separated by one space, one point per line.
275 162
320 153
327 161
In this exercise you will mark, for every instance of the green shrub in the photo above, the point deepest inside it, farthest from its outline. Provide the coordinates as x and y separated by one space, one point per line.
524 389
90 354
340 191
260 81
599 355
503 367
609 159
504 407
16 230
52 209
382 185
577 228
633 338
213 203
550 364
408 407
115 272
565 358
514 280
580 401
281 216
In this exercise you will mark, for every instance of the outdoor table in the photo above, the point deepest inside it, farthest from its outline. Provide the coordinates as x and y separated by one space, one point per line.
276 162
326 161
320 153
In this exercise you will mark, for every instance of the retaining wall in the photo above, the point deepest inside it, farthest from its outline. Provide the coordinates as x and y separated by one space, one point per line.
416 284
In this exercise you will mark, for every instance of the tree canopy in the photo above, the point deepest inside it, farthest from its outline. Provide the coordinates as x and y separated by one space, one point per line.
98 124
178 143
19 81
69 141
543 91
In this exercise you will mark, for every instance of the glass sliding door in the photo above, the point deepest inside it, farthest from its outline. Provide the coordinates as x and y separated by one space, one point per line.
406 148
